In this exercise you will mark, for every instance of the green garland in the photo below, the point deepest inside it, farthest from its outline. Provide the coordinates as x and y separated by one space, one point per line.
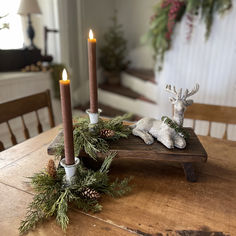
169 12
208 8
172 124
4 25
53 197
92 142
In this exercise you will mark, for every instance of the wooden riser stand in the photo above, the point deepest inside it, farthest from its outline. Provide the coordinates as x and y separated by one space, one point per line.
135 148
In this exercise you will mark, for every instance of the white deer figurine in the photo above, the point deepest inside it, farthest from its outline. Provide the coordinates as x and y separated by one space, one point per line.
147 128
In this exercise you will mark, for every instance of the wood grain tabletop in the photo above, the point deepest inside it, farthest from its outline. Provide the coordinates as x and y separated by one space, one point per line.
162 203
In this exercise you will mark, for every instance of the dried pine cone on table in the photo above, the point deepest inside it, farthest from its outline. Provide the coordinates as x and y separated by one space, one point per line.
90 194
107 133
51 169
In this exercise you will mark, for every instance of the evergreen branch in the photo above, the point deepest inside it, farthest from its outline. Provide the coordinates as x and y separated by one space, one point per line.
119 188
166 15
52 197
88 180
62 207
91 142
37 211
32 218
107 162
178 129
88 205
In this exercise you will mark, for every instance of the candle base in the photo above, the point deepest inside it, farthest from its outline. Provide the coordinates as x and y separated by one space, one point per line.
70 176
93 117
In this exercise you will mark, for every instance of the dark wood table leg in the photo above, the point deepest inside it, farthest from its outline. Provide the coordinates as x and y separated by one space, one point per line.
189 172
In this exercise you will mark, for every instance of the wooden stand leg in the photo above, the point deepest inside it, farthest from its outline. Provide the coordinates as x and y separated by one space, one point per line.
189 172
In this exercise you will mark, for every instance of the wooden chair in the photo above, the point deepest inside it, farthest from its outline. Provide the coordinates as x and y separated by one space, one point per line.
19 107
212 113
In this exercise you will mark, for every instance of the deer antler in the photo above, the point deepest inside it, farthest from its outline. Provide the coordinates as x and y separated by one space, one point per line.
192 92
170 89
173 91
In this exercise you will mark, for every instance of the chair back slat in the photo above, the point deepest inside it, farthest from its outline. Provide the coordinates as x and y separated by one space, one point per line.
209 129
2 148
39 125
194 124
50 110
212 113
19 107
13 137
225 136
26 131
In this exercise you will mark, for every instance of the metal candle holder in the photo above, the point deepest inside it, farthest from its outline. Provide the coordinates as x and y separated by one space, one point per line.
70 170
93 117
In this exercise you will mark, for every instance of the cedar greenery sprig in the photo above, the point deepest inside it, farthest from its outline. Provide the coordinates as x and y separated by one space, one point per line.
207 9
162 23
172 124
168 12
92 142
53 197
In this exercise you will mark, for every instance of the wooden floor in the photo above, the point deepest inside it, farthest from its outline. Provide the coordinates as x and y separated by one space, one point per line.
162 202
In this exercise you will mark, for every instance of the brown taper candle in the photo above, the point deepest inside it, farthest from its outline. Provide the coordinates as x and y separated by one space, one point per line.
67 119
92 73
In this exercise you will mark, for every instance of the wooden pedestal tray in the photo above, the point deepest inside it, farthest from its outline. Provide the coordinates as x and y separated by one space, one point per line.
135 148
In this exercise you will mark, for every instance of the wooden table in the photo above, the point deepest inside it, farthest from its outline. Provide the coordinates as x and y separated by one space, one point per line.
161 203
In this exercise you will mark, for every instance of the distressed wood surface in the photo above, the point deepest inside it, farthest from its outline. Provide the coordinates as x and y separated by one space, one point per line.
162 203
81 224
135 148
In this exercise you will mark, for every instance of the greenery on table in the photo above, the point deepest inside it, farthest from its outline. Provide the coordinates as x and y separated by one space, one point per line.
169 12
54 198
114 48
179 129
93 142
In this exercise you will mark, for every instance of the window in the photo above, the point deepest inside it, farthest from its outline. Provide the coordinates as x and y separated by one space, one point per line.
11 38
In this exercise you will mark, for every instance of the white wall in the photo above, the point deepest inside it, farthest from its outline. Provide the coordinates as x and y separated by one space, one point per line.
90 14
78 16
210 63
135 15
49 18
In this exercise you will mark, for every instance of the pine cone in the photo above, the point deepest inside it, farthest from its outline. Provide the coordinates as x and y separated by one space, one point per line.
90 194
51 168
107 133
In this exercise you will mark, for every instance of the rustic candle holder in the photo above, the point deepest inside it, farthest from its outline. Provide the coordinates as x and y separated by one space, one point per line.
70 170
93 117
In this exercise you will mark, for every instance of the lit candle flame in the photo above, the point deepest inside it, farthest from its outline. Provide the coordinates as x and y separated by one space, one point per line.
90 34
64 75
